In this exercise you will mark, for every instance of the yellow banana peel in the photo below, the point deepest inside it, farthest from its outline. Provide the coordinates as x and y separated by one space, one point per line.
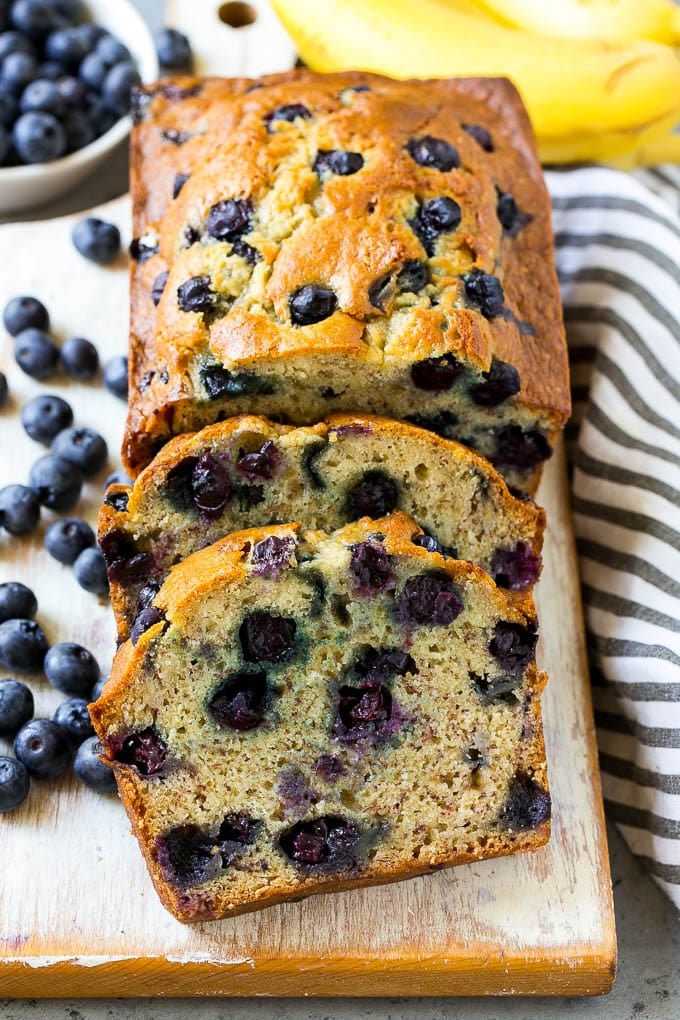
615 20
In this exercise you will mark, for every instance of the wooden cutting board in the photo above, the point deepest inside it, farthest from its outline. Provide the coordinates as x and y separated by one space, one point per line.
78 915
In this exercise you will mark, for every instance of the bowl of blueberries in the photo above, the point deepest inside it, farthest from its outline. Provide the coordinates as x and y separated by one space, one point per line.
67 69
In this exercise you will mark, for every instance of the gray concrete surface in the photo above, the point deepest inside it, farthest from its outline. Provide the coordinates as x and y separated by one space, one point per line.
648 981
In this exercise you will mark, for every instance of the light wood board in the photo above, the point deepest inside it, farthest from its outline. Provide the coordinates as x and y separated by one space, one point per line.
78 915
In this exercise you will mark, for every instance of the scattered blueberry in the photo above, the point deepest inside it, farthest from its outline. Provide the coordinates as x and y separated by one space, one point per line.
91 770
310 304
178 183
35 354
141 249
118 85
434 217
271 555
25 313
116 376
71 668
16 706
288 112
96 240
56 482
433 152
338 161
82 447
23 645
44 748
502 381
45 416
39 137
17 601
66 538
73 92
19 509
14 783
260 465
74 717
79 358
485 292
90 572
173 50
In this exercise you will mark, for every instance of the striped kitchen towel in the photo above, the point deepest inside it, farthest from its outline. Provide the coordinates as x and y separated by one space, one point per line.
618 259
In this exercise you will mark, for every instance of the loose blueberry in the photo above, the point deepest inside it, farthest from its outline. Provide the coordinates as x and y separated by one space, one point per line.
16 601
267 637
435 375
518 449
413 276
480 135
195 294
434 152
82 447
338 161
527 805
310 304
14 783
25 313
116 376
16 72
173 50
375 495
372 570
91 770
229 219
178 183
485 292
90 572
502 382
79 358
330 842
262 464
239 703
514 646
66 538
35 354
71 668
44 748
73 716
517 568
4 389
96 240
56 482
146 751
271 555
289 112
98 688
435 216
428 598
158 286
44 417
19 509
118 85
16 706
117 477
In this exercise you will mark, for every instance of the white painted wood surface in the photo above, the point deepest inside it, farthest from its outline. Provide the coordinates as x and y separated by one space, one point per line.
78 915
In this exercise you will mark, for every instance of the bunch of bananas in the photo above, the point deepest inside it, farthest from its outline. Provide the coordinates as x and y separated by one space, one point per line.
600 78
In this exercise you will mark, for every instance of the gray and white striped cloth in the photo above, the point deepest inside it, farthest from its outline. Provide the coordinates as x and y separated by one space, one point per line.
618 259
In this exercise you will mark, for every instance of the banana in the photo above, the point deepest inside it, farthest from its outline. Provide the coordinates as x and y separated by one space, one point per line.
582 88
614 20
625 150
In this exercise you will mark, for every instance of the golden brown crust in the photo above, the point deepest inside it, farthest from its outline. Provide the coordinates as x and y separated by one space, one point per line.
230 153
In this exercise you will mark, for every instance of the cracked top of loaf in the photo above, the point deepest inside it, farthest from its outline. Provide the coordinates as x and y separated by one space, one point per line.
303 241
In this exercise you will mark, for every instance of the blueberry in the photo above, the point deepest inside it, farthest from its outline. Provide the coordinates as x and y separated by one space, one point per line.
173 50
329 842
112 51
246 251
518 449
23 645
158 286
19 509
310 304
118 86
8 109
16 71
267 637
220 382
118 500
372 570
93 71
44 748
239 701
510 216
90 31
143 248
288 112
14 783
79 358
56 482
485 292
116 376
35 18
43 417
362 712
4 389
101 117
73 92
35 354
17 601
413 276
513 645
98 688
68 47
96 240
230 218
14 42
124 562
271 555
117 477
50 70
66 538
178 183
146 595
374 495
430 599
429 543
90 572
338 161
434 152
146 751
74 717
39 138
210 486
502 381
148 618
91 770
79 130
71 668
434 217
42 95
527 806
262 464
25 313
82 447
16 706
195 294
5 144
480 135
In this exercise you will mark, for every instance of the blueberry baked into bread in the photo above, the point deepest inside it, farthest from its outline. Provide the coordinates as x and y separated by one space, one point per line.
297 714
248 471
307 244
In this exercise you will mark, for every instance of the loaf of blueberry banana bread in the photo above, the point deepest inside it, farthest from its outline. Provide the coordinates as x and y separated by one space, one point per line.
306 244
248 471
298 714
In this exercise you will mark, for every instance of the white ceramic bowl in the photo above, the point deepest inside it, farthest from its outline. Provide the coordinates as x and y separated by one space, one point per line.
26 187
